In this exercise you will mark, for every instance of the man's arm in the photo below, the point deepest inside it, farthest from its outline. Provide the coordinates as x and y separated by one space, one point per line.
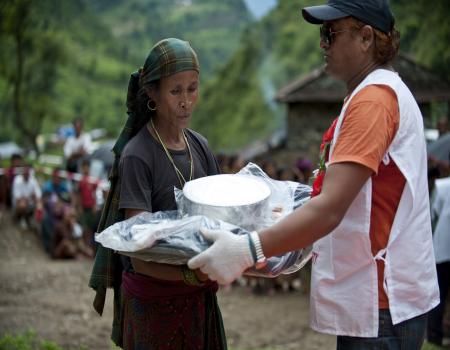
230 255
321 214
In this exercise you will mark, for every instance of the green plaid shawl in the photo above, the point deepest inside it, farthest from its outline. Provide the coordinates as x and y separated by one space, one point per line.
107 269
167 57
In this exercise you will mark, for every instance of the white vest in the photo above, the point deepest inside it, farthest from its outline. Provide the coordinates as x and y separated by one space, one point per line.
344 284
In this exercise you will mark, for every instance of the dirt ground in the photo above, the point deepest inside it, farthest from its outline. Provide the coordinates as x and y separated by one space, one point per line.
53 299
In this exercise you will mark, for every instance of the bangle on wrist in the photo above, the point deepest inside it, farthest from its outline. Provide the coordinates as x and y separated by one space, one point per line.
261 260
189 277
252 248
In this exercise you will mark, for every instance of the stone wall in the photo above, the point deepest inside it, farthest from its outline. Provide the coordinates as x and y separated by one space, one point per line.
306 124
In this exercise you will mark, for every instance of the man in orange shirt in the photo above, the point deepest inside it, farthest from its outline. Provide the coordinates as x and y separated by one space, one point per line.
373 275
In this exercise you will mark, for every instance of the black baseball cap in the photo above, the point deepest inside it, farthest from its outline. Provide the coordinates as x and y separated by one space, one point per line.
372 12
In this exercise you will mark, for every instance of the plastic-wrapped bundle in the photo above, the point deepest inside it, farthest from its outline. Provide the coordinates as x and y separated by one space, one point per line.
164 236
173 237
167 237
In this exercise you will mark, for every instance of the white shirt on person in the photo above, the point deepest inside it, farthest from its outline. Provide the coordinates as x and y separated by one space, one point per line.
76 144
25 189
440 211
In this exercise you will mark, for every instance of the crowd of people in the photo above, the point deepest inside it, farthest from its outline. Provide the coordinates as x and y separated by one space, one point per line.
62 205
63 212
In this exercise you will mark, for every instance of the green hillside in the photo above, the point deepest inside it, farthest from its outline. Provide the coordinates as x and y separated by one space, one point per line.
213 27
62 59
69 65
75 58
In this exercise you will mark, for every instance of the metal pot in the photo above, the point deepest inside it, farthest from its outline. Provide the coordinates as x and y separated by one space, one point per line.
237 199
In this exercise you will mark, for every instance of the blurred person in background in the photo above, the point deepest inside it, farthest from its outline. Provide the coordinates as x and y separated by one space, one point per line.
77 147
442 126
223 161
270 166
56 185
26 197
87 201
101 195
440 214
373 269
305 168
3 192
68 242
54 191
287 173
236 162
158 306
15 163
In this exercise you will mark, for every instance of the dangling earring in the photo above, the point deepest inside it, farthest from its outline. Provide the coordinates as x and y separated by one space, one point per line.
153 107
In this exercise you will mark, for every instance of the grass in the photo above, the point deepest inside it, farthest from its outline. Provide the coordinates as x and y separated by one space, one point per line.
429 346
29 341
26 341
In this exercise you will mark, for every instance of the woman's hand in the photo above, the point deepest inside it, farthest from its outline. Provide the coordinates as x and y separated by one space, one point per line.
202 277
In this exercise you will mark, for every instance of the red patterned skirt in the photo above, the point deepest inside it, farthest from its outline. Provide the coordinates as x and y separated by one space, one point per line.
170 315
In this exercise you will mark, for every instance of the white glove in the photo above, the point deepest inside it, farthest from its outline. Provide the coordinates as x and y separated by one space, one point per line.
226 259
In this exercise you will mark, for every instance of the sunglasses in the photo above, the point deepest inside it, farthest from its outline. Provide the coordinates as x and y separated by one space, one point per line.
326 34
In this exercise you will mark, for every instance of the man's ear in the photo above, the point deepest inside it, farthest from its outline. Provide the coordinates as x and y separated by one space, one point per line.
367 36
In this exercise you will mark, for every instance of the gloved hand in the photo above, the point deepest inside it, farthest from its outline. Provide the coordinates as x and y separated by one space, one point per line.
226 259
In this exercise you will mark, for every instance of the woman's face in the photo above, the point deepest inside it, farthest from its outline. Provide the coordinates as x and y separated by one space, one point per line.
175 98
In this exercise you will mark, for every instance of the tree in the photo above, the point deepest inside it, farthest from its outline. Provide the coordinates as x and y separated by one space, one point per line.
425 32
31 55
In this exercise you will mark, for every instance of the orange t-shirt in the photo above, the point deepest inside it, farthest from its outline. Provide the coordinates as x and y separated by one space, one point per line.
370 124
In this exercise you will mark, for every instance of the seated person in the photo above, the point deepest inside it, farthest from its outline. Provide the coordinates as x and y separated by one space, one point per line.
56 196
87 188
15 163
26 197
68 240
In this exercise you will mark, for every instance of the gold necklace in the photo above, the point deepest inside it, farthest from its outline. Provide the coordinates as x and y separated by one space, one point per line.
177 171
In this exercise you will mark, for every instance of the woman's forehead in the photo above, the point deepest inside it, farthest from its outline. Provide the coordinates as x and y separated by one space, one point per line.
184 77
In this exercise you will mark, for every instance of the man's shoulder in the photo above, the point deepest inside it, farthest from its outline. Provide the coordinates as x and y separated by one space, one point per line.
381 100
375 93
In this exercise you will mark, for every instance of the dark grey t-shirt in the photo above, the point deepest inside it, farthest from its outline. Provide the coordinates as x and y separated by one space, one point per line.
147 177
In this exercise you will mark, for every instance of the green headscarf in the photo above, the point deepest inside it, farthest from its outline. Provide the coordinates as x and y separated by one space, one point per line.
167 57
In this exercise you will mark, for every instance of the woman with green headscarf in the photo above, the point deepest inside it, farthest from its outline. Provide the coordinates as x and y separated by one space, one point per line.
162 306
